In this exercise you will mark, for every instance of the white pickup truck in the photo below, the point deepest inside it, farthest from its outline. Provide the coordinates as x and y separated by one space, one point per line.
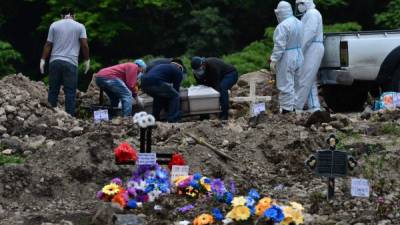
358 63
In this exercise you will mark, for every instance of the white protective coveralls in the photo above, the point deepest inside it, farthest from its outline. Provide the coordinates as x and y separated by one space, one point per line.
287 54
313 50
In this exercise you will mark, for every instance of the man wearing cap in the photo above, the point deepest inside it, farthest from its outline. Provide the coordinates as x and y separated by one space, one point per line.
119 83
215 73
163 83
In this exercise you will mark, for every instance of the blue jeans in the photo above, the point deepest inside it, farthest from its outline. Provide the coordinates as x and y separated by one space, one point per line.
64 74
226 84
116 91
162 94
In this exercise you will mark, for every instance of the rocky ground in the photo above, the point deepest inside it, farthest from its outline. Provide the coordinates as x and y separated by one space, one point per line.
59 163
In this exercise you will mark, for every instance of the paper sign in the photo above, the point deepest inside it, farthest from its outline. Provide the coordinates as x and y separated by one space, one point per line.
179 171
101 115
258 108
359 188
147 159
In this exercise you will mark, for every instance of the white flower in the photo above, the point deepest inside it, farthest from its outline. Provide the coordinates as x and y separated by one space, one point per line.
227 221
184 222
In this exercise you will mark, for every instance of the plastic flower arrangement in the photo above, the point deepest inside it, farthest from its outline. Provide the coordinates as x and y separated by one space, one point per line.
193 186
147 184
176 160
125 154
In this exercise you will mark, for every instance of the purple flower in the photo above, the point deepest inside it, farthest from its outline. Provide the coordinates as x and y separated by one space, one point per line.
186 208
100 195
218 187
132 192
117 181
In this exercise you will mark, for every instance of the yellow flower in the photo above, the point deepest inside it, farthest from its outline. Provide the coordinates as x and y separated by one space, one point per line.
239 213
260 209
111 189
204 219
239 201
205 185
265 202
297 206
292 215
179 180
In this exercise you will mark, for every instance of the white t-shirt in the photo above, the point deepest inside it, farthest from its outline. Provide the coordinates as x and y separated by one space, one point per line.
65 35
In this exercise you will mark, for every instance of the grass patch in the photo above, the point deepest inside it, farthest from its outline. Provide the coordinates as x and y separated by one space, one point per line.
10 159
390 129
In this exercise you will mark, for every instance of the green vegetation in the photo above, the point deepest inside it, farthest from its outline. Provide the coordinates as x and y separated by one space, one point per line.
8 58
234 30
390 129
5 159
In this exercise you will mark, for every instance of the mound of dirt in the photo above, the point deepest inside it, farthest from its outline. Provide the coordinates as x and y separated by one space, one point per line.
67 160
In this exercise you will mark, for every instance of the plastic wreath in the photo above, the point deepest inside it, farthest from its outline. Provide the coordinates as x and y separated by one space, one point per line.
125 154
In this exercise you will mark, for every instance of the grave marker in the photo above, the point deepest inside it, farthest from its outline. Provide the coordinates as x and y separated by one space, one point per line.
253 99
331 164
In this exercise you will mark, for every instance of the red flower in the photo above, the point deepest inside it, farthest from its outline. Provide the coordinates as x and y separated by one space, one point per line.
125 153
176 160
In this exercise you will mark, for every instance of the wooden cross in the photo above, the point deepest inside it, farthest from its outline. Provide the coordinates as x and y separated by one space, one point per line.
253 99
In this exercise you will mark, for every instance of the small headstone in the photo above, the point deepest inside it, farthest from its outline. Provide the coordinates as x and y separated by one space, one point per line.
101 115
147 159
179 171
359 188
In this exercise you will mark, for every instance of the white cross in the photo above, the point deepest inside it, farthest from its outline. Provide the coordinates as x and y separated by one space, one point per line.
252 97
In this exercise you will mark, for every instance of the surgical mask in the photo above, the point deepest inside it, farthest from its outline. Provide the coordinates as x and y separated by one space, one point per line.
199 73
302 8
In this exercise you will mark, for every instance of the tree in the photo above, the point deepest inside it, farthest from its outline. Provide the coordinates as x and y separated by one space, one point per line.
391 18
206 32
8 58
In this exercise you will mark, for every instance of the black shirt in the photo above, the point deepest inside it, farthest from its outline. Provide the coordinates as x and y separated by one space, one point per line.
215 71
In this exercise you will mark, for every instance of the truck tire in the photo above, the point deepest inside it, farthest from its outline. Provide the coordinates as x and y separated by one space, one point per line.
340 98
394 83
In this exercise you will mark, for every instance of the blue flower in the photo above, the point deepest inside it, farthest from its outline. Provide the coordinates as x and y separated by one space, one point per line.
164 187
275 214
252 210
151 180
228 197
132 204
195 184
149 188
217 214
250 201
162 174
197 176
254 194
207 180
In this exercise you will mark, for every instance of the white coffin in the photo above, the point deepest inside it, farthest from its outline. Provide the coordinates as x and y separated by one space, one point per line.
203 100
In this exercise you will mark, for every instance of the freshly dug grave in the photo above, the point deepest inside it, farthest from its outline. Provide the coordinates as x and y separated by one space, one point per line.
66 161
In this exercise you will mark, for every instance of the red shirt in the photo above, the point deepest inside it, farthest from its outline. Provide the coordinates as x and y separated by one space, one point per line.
127 72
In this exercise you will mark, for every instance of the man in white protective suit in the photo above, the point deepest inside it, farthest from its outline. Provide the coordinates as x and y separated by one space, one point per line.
313 50
287 57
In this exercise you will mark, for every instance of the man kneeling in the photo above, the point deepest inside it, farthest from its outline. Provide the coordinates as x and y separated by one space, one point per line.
119 83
